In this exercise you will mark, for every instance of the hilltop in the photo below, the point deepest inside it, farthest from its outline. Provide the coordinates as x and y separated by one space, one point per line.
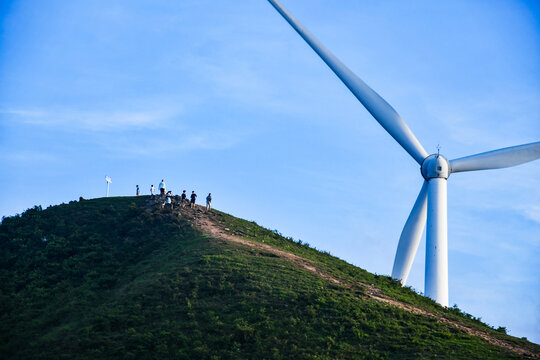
123 278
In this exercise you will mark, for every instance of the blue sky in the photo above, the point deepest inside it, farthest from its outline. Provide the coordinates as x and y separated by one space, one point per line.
225 97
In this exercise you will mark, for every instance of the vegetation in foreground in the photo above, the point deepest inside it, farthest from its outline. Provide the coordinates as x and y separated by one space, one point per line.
109 278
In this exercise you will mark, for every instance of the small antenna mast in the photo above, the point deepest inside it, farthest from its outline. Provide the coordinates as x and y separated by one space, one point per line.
438 149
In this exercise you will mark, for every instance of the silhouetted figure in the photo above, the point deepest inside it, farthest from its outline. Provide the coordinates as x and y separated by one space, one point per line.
209 202
183 198
193 198
152 190
138 190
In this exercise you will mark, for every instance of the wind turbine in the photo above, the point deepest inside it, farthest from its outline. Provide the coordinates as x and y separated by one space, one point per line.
108 180
431 203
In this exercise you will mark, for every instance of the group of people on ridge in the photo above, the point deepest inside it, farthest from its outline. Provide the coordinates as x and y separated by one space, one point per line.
182 199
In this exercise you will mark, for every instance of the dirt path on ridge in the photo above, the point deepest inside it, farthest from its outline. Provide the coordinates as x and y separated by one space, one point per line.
209 227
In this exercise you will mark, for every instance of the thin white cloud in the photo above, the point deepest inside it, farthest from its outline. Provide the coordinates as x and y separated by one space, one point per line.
170 143
230 78
94 121
28 157
531 212
24 113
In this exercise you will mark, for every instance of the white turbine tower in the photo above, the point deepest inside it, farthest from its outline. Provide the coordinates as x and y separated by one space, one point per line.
435 169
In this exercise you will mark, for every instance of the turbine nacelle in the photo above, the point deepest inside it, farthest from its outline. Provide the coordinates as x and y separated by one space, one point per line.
435 166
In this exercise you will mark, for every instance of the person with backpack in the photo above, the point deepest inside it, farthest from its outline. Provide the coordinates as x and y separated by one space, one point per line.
193 198
209 201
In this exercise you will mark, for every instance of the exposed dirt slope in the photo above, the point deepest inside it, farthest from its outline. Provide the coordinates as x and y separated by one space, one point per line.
207 224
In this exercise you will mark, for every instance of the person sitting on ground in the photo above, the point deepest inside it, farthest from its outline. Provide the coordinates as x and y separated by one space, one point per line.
169 201
138 192
162 187
183 198
209 201
152 189
193 198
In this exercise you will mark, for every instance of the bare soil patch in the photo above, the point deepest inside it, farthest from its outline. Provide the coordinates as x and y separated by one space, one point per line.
214 230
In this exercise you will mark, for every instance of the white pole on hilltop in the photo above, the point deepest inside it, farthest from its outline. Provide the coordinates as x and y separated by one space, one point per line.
108 180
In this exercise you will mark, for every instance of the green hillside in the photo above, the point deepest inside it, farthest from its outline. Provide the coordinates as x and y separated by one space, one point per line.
120 278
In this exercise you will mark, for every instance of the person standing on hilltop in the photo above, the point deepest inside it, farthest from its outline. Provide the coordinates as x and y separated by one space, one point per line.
209 201
162 187
152 189
138 191
193 198
183 198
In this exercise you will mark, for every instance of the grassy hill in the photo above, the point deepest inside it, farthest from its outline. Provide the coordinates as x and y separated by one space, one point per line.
121 278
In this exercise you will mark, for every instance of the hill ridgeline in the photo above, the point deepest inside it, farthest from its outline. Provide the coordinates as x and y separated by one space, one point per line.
124 278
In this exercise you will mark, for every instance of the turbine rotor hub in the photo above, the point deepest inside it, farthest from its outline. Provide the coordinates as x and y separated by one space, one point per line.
435 166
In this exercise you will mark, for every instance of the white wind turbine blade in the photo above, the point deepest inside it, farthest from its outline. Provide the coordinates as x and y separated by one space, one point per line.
497 159
436 279
410 237
373 102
